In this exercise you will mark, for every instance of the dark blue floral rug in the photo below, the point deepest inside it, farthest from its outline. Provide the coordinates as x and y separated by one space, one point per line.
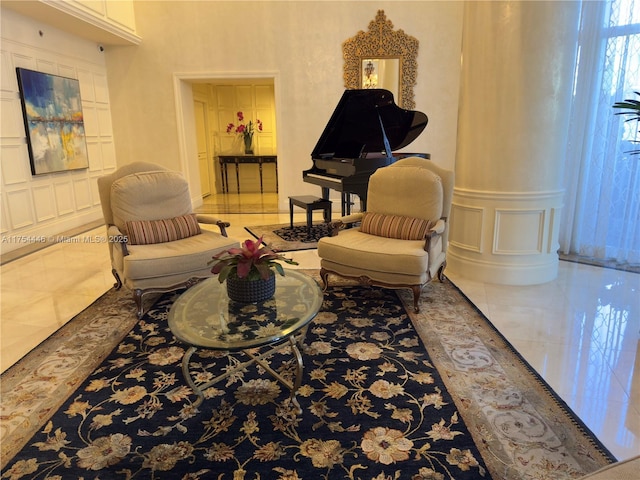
374 407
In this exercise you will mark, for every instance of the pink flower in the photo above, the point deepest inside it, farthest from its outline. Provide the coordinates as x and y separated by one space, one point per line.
245 130
251 261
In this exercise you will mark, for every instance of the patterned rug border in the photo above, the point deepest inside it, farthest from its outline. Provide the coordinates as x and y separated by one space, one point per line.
76 348
88 330
595 454
541 381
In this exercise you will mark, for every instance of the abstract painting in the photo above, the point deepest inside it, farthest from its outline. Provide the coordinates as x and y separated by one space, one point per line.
52 111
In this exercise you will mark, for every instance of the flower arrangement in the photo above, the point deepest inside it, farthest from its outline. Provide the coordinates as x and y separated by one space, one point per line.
251 262
244 130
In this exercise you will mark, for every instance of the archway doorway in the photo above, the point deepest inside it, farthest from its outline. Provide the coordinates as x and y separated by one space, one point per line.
205 105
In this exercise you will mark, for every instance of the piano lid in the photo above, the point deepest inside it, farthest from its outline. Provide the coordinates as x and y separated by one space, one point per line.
355 126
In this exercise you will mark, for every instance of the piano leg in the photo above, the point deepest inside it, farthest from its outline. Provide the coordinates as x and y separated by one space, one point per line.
346 204
345 201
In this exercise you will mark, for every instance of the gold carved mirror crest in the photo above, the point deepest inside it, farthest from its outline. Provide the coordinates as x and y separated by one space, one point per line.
382 58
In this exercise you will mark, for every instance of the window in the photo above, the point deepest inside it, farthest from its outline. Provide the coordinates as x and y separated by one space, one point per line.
602 179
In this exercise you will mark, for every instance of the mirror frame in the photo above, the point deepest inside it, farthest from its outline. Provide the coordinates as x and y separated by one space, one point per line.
381 41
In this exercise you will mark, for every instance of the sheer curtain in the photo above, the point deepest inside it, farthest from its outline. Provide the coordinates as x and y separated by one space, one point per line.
602 180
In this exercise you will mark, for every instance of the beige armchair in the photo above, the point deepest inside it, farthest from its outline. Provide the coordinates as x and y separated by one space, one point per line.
155 240
402 238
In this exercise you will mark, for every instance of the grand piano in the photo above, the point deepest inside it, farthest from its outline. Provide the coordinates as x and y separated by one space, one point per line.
364 130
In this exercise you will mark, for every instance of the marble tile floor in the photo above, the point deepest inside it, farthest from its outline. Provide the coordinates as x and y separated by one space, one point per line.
580 332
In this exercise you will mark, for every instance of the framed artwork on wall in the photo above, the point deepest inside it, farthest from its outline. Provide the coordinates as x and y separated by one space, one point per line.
52 112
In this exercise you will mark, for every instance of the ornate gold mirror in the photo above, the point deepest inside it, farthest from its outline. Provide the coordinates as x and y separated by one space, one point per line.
382 58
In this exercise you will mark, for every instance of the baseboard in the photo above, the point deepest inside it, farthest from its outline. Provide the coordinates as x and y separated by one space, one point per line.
51 240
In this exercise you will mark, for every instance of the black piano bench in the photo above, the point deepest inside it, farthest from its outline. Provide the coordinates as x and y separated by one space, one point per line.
310 203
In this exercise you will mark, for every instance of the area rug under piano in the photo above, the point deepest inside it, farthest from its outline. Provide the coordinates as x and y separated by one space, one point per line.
283 238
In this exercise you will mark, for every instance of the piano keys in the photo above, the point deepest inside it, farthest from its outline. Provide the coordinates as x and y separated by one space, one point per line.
364 129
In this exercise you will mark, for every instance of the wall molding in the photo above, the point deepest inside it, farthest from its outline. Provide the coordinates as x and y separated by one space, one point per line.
507 196
504 237
36 206
471 217
508 221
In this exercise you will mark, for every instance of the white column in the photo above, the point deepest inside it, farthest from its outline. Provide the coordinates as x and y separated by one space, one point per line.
517 70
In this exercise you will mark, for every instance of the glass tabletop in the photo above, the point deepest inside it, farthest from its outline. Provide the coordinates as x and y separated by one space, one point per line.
204 316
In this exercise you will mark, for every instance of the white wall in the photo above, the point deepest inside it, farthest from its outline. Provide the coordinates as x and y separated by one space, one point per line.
299 44
139 90
40 206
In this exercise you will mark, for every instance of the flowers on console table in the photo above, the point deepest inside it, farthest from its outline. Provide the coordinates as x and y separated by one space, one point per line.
244 130
251 261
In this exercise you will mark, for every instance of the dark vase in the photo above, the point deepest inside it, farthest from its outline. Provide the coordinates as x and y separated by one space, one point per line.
251 291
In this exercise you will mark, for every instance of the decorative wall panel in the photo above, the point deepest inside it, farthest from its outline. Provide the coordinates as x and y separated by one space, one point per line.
515 236
45 66
101 90
64 198
67 71
20 211
85 77
95 156
90 121
7 80
11 117
82 193
553 245
44 202
518 232
18 60
4 219
108 155
466 227
96 7
14 171
104 121
50 204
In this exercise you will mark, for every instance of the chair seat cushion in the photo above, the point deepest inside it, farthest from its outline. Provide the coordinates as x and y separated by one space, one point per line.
361 250
174 258
144 232
394 226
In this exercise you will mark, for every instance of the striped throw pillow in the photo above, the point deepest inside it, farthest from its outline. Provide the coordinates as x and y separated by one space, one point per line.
394 226
145 232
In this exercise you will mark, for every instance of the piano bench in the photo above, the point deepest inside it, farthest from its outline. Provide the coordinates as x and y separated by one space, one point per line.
310 203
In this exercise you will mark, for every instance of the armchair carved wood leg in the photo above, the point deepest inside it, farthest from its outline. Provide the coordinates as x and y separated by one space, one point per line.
324 275
417 289
441 276
137 297
118 283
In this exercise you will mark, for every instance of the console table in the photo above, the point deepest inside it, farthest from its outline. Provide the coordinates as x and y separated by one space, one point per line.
241 158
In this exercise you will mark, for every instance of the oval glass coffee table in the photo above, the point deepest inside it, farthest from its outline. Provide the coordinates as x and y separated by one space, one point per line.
205 317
